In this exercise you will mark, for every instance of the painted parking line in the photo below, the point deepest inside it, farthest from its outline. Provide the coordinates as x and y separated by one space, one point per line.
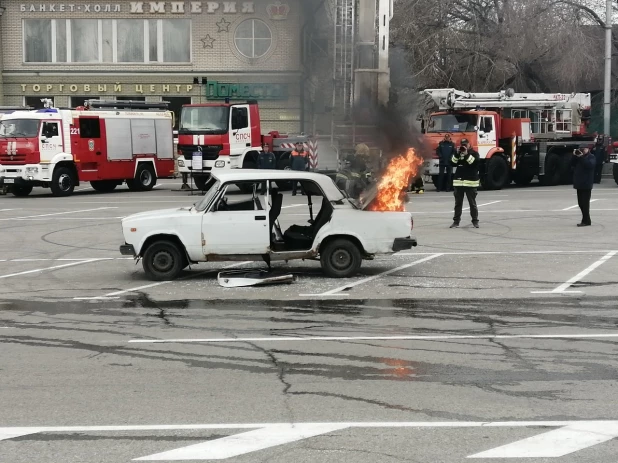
437 337
481 253
572 436
337 291
45 269
61 213
117 294
66 259
7 210
481 205
577 205
567 284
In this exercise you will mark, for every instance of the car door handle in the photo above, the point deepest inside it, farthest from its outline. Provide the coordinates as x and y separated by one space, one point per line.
248 144
260 217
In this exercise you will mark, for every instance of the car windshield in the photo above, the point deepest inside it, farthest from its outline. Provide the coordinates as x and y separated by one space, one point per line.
27 128
452 123
212 185
205 119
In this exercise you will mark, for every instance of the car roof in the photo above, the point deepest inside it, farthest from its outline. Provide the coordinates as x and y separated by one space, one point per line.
239 175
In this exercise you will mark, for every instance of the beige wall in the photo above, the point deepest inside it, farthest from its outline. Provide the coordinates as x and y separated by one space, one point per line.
108 80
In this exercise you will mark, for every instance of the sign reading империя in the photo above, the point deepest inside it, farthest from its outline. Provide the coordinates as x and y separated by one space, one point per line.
143 7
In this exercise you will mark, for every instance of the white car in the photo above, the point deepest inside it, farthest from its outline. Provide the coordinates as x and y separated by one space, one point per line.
341 235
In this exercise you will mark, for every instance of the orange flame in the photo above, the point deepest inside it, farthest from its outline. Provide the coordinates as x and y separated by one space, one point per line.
393 185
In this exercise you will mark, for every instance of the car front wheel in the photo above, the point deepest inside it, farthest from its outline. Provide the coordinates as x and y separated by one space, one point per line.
163 261
340 258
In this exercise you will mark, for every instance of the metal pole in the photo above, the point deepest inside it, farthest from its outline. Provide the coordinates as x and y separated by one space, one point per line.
608 67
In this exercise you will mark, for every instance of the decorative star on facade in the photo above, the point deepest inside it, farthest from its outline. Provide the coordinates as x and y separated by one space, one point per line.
208 41
223 25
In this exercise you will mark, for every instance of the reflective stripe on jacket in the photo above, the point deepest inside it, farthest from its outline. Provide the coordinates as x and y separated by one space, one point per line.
467 172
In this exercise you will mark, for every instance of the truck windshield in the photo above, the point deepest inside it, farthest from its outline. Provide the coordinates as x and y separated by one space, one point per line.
26 128
205 119
452 123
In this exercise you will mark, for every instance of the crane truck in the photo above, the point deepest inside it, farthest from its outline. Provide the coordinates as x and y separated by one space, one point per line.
519 136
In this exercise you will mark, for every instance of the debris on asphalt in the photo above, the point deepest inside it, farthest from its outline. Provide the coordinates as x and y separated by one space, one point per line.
242 278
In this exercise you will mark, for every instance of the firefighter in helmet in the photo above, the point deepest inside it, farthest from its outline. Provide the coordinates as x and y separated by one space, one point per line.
353 177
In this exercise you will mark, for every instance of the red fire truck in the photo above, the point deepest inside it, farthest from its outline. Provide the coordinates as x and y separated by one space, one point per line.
105 143
228 136
518 135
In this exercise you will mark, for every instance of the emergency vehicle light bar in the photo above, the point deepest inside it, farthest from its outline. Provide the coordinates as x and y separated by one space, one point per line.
121 104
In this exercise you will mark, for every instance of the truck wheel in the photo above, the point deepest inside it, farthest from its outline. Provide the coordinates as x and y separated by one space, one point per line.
63 182
566 174
435 179
497 175
247 188
104 186
340 258
553 170
523 178
200 182
21 191
145 178
615 172
163 261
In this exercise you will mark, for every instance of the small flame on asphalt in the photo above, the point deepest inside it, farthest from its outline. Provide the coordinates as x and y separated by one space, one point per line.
394 183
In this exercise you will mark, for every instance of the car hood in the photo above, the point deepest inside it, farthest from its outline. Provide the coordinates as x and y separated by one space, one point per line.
158 214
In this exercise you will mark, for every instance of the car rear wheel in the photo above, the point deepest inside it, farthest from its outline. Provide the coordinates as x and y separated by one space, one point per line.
163 261
340 258
104 186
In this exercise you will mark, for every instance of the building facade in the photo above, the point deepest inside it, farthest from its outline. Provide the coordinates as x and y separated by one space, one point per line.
176 51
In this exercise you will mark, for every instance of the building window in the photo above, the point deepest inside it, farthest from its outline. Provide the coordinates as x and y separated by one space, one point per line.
35 101
107 40
253 38
81 100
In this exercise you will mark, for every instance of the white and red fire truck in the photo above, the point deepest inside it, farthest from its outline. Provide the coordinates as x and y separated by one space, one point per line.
229 136
105 143
519 136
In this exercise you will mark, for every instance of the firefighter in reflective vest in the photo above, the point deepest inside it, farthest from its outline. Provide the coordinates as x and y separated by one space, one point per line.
300 161
466 181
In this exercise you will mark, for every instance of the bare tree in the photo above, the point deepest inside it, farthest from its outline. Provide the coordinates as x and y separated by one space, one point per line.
530 45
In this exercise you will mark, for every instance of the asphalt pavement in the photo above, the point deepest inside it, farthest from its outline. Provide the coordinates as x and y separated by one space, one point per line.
480 344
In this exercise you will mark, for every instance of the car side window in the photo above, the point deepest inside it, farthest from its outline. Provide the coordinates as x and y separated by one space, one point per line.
89 127
240 118
50 129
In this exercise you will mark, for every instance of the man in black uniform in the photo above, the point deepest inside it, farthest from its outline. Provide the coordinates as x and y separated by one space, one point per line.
466 181
445 151
598 152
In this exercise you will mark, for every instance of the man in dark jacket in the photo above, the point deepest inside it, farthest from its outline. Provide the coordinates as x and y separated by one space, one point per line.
583 179
598 152
266 160
466 181
299 162
446 150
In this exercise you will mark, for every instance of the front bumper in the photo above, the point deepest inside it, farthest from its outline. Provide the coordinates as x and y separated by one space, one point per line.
19 181
127 250
403 244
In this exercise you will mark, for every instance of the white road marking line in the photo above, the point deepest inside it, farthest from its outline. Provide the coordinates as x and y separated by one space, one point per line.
7 210
66 218
503 211
334 292
480 253
247 442
275 434
55 267
481 205
564 286
67 260
293 205
60 213
152 285
577 205
85 189
556 443
444 337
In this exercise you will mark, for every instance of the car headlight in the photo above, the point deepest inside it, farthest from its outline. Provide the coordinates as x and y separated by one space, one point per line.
32 170
181 163
220 164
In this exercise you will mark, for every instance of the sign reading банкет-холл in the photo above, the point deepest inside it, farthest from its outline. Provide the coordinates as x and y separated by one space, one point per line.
221 90
178 7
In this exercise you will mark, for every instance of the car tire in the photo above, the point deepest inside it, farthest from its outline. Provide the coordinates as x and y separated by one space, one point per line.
63 182
435 179
553 170
21 191
163 261
145 178
104 186
340 258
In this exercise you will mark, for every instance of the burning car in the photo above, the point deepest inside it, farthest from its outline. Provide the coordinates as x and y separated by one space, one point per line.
227 226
